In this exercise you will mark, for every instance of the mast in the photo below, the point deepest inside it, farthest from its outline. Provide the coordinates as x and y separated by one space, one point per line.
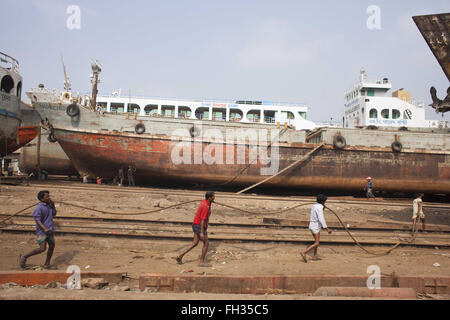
96 69
66 79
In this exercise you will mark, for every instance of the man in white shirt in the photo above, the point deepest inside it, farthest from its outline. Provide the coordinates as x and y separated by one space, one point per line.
418 212
316 223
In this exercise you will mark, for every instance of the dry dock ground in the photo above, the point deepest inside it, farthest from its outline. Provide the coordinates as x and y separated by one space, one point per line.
136 256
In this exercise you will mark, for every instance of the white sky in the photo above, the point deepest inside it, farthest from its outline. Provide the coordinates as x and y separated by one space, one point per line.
292 51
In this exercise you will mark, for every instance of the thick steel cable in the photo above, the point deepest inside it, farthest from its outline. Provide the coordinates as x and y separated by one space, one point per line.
231 207
366 250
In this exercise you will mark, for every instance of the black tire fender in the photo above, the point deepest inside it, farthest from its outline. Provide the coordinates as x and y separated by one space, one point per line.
73 110
396 146
51 137
139 128
339 142
194 131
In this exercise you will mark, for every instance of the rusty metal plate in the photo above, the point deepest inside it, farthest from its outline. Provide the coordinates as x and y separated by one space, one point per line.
435 29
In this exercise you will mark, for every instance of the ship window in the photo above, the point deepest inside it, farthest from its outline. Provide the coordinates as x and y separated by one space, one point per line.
168 111
395 114
269 116
373 114
385 113
302 114
133 108
7 84
370 92
202 113
151 109
254 115
19 89
236 115
117 107
407 114
184 112
287 115
219 114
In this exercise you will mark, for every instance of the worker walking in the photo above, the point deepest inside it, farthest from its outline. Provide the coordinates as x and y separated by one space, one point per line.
418 212
369 188
316 223
200 226
43 215
121 177
131 172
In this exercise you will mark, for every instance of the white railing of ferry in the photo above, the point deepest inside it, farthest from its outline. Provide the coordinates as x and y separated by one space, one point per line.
231 101
10 61
334 124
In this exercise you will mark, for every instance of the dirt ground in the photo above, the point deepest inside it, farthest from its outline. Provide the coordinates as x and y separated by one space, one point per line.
140 256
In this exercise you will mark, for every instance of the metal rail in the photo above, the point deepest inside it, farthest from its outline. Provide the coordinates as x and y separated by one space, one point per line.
185 193
178 230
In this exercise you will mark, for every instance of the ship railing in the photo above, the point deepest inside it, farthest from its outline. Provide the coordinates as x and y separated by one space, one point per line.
334 124
202 100
10 62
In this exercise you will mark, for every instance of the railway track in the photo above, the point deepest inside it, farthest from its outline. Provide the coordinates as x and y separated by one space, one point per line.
257 233
228 195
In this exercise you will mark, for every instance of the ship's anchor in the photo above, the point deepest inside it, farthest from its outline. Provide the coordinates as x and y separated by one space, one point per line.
438 104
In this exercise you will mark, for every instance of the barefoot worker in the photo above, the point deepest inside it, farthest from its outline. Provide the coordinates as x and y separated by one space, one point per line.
418 213
316 223
43 215
200 226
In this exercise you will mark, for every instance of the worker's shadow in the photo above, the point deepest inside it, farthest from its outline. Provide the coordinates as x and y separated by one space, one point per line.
211 249
65 258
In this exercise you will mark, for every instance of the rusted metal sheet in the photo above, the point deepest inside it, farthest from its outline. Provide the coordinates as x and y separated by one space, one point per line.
394 293
103 153
25 135
435 29
287 284
33 278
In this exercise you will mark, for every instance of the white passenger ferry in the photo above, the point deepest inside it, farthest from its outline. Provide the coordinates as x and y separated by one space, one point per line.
263 112
366 104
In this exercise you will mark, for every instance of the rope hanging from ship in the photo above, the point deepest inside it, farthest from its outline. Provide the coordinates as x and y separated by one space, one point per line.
403 241
250 162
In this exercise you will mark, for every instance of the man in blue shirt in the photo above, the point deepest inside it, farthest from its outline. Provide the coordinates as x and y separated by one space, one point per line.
43 215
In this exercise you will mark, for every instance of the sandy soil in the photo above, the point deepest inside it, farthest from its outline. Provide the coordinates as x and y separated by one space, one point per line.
140 256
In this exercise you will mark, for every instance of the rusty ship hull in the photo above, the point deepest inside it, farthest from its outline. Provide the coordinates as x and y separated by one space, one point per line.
100 143
49 156
103 153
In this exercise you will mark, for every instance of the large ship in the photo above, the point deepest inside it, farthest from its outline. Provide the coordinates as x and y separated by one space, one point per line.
10 92
39 147
368 105
211 149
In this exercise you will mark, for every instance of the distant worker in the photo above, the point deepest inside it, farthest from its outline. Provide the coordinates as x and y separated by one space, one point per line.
43 215
44 175
99 180
418 212
369 188
35 173
316 223
200 226
131 172
10 171
121 177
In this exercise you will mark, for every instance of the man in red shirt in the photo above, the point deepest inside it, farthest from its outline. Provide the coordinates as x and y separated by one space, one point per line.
200 226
